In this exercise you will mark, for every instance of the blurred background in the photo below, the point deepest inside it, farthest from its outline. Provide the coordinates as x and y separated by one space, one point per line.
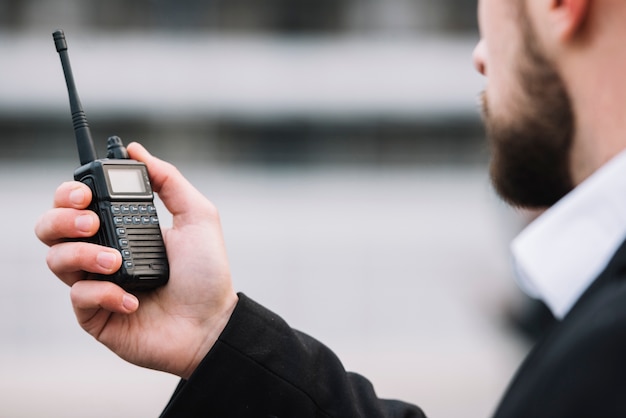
341 141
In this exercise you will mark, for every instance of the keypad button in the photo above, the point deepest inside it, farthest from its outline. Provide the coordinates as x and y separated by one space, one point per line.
120 232
123 243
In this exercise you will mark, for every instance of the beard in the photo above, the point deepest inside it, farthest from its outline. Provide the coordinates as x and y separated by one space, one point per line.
530 162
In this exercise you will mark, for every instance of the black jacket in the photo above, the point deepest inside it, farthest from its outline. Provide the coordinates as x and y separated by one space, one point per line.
579 368
260 367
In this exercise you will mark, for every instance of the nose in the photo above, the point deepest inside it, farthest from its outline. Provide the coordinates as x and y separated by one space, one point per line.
479 57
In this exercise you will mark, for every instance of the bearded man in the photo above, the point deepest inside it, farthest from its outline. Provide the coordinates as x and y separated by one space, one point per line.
555 110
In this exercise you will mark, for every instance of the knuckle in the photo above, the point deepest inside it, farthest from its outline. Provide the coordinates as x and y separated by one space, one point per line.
51 259
57 258
48 228
62 192
40 229
55 225
75 294
69 257
63 188
210 210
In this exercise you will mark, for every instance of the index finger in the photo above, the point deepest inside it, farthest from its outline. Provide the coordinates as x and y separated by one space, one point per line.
72 194
68 218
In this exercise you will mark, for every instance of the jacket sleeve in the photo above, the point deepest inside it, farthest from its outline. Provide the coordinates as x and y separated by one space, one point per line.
260 367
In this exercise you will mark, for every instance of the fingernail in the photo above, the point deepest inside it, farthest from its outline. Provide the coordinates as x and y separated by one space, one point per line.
84 223
130 302
106 260
77 196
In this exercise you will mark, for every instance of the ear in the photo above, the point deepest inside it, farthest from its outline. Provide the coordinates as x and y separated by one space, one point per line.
568 17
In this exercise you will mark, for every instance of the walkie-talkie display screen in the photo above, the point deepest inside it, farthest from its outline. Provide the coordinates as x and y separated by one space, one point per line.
126 180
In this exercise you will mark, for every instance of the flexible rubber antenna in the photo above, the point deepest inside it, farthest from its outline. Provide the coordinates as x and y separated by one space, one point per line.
84 143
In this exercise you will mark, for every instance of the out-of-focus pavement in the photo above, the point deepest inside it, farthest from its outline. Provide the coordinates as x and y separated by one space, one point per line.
403 272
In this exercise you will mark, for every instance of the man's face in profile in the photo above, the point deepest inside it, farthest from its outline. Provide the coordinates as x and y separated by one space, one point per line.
526 109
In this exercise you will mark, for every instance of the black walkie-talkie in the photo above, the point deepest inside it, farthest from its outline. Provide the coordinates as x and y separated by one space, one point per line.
122 198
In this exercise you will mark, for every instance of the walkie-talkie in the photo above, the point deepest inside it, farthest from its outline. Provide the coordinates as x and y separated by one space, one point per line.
122 199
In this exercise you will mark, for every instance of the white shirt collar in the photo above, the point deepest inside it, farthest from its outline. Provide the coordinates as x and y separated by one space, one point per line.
561 253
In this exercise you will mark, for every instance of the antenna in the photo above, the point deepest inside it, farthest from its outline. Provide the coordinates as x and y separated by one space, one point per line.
84 143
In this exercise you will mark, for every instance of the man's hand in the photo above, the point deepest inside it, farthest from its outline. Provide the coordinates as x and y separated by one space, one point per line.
173 327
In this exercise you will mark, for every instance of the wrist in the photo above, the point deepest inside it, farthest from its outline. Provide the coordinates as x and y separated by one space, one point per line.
211 330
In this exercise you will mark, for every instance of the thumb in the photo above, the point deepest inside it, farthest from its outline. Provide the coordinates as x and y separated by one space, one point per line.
179 196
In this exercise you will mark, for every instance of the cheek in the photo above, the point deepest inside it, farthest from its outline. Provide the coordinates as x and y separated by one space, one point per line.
499 95
501 53
503 87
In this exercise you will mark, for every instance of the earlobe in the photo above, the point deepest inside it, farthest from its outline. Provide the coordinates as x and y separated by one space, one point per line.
569 17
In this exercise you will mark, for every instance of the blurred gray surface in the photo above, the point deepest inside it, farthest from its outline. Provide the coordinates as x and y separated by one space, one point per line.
260 77
403 272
